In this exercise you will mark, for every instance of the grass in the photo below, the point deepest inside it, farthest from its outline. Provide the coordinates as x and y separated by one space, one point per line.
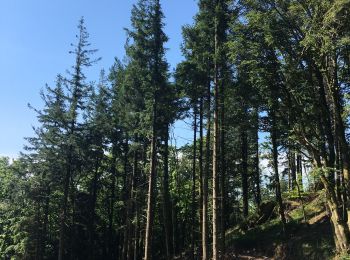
302 241
314 205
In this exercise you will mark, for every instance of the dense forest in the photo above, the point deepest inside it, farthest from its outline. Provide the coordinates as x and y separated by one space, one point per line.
265 85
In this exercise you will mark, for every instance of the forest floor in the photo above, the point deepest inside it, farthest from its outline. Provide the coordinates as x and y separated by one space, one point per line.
302 240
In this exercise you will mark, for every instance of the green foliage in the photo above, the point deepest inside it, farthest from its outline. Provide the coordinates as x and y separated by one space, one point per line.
15 210
282 71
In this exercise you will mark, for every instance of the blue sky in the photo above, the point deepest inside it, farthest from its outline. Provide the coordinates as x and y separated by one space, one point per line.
35 41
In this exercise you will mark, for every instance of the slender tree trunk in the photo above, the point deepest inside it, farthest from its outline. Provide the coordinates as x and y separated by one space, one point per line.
167 205
340 184
257 168
110 239
201 166
151 186
326 120
293 169
126 198
275 166
216 155
193 214
339 127
244 143
137 230
205 234
290 184
338 121
338 175
127 244
133 211
223 172
174 217
175 230
92 210
301 201
299 172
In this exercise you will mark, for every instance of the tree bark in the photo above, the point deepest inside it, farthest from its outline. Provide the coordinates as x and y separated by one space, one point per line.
200 157
275 166
125 197
94 186
205 234
216 140
299 172
129 192
340 227
223 172
338 121
193 213
110 239
244 150
167 205
137 230
257 167
151 186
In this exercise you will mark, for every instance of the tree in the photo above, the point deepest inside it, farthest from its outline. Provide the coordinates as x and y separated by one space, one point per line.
147 48
103 156
77 87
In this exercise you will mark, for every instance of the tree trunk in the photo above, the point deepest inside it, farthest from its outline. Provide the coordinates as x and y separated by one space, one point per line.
301 201
275 166
129 192
244 143
175 228
167 205
151 186
193 213
201 166
326 121
216 154
340 228
111 246
257 168
205 234
338 120
299 172
293 169
137 230
93 198
339 172
223 173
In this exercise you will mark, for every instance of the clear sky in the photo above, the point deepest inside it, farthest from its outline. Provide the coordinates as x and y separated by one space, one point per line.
35 38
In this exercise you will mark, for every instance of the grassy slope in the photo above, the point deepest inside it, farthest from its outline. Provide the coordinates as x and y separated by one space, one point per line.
303 241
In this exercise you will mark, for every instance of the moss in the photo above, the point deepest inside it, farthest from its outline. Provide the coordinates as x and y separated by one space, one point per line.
343 257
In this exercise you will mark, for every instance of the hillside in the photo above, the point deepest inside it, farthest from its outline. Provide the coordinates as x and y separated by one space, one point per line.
310 240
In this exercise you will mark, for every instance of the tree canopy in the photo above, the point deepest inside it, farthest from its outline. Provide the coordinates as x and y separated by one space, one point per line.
265 85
